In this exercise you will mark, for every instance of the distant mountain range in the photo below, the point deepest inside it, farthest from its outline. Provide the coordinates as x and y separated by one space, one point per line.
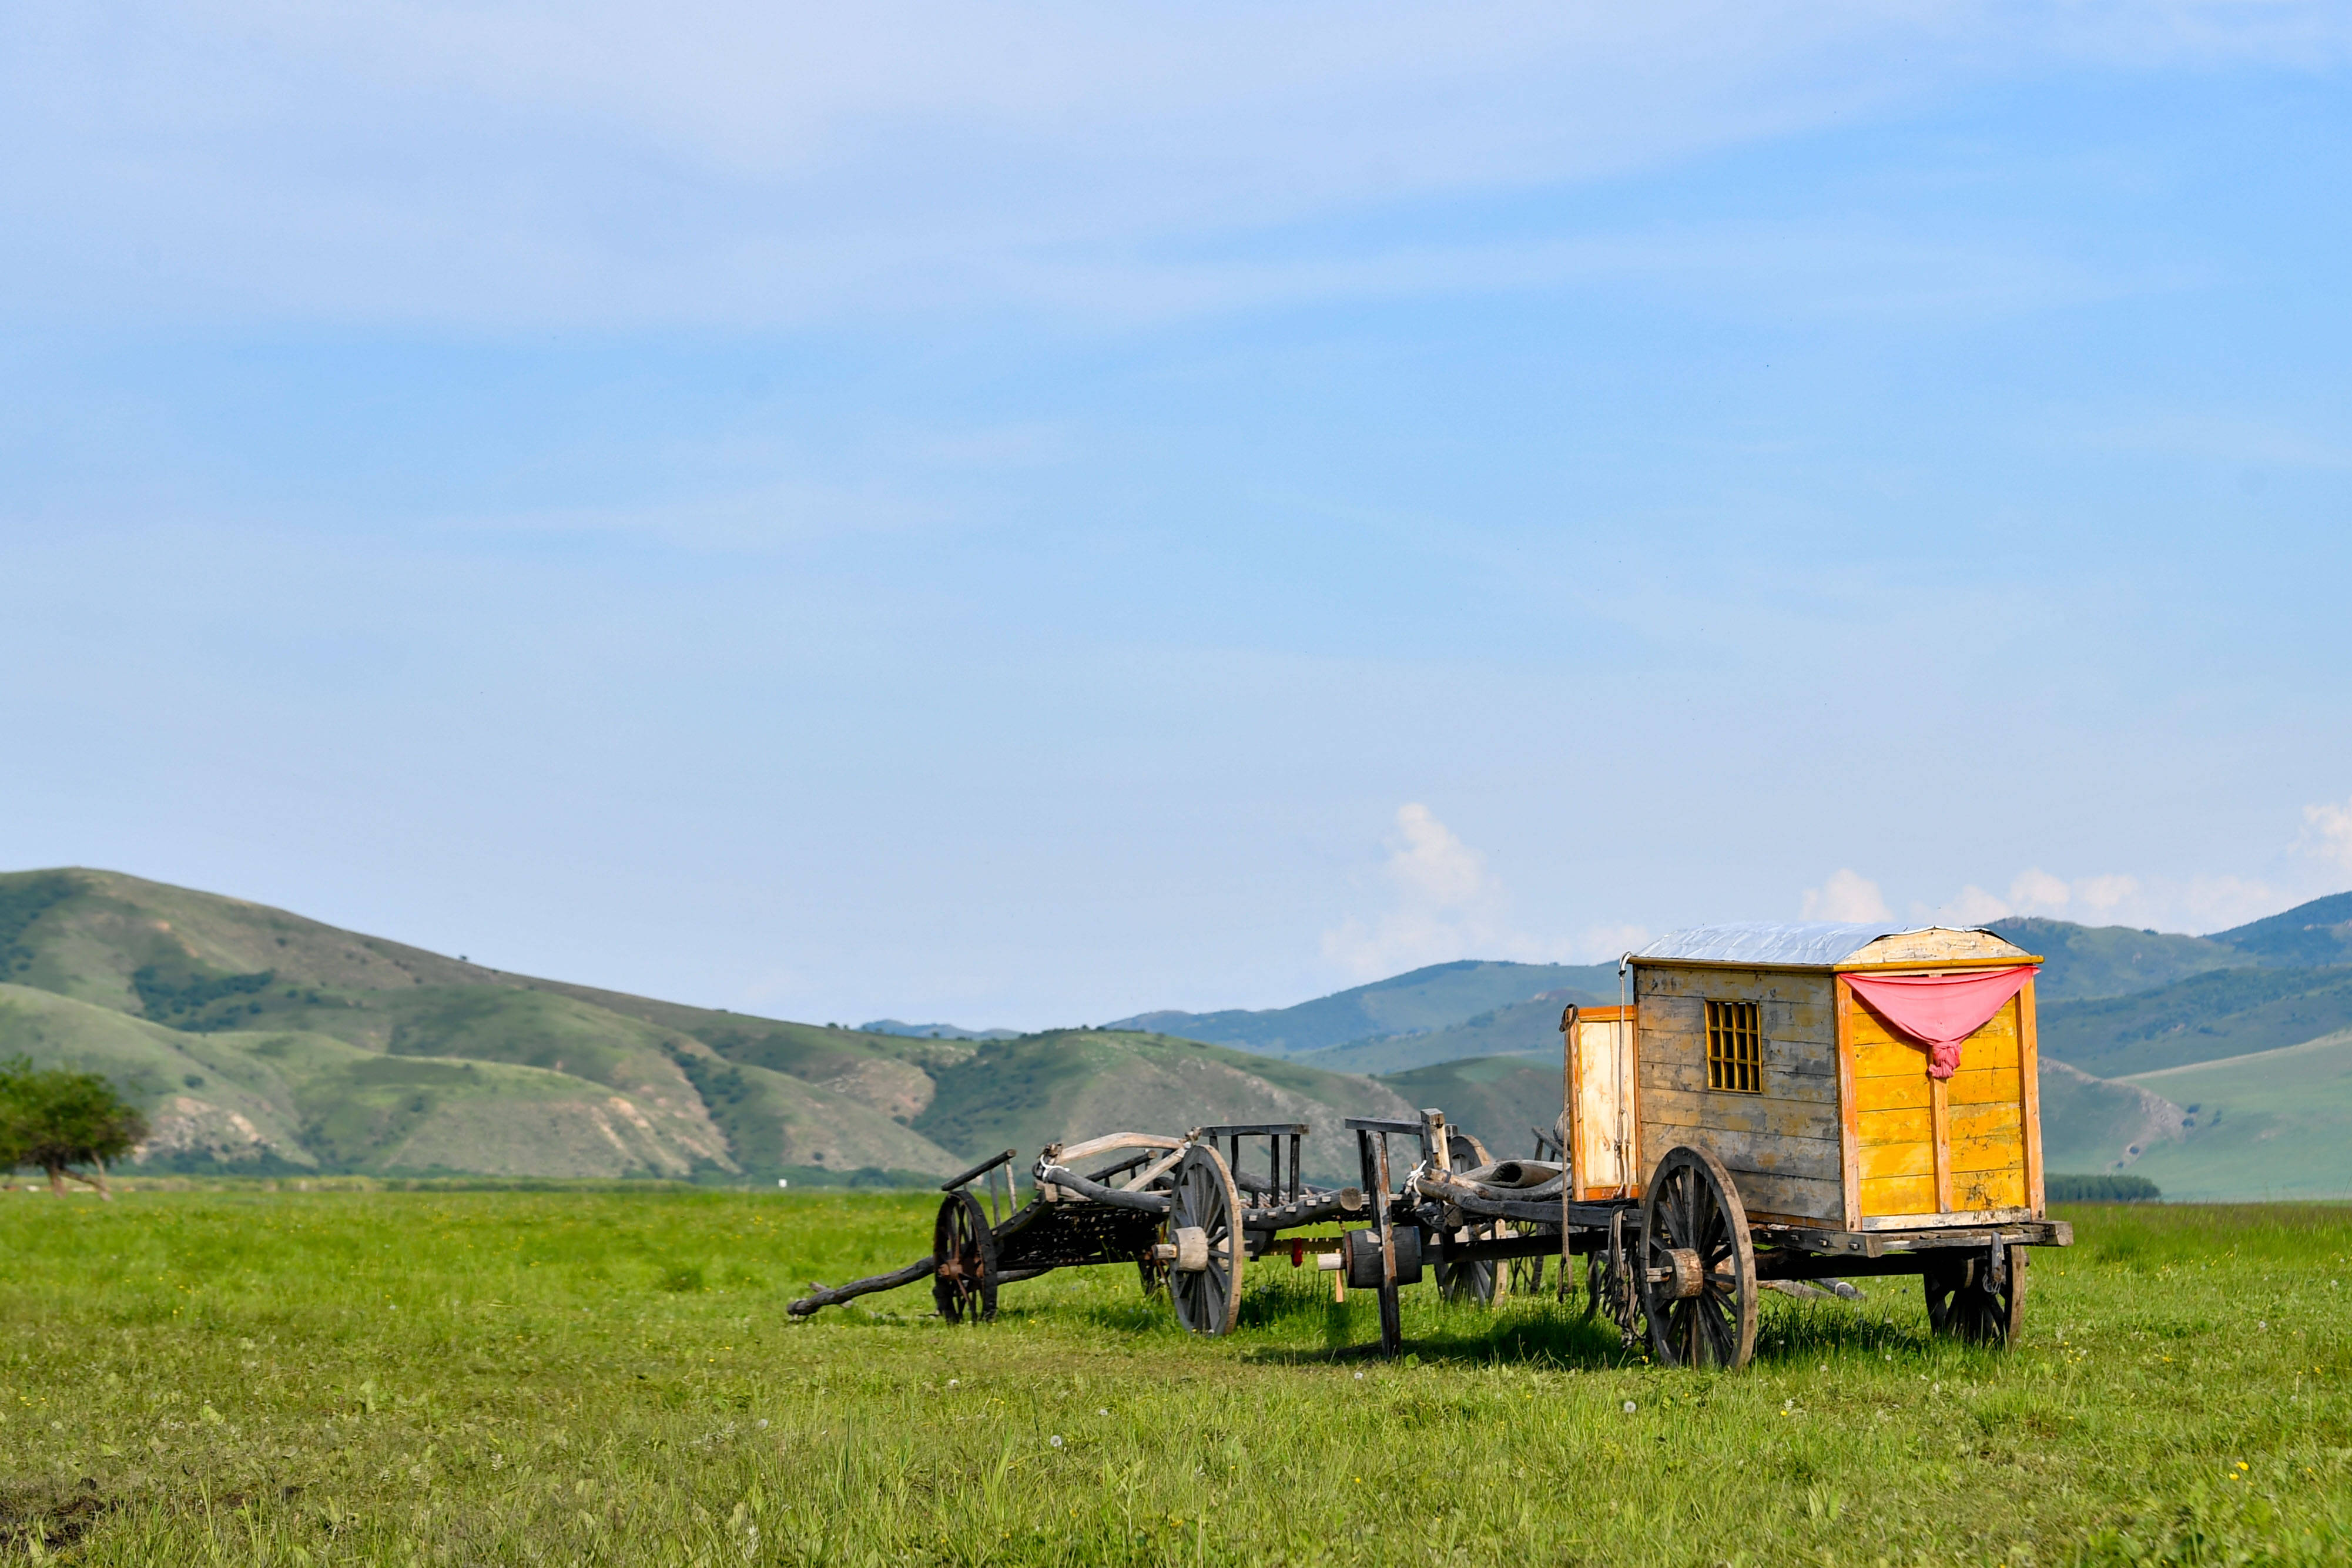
1442 997
261 1041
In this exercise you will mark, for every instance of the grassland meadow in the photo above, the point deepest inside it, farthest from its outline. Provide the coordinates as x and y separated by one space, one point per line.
241 1375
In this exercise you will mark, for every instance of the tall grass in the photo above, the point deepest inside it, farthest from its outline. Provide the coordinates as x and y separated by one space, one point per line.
603 1377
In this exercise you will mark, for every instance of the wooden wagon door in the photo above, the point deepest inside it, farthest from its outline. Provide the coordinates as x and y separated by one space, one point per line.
1603 1155
1921 1147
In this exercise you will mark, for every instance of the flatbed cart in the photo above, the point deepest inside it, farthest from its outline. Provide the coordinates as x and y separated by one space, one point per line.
1824 1103
1176 1208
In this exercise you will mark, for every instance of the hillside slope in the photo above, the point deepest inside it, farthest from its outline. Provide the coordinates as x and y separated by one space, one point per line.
2272 1124
1025 1092
1521 1030
289 1100
2309 936
2091 1125
2080 962
2222 1013
1500 1099
261 1040
322 1049
1436 997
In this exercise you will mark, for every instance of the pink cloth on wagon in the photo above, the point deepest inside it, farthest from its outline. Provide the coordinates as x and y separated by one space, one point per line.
1939 1011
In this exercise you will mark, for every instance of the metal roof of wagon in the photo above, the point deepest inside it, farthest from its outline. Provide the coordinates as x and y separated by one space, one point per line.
1782 941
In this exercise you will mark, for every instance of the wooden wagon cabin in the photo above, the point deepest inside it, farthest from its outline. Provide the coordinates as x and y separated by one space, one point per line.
1818 1101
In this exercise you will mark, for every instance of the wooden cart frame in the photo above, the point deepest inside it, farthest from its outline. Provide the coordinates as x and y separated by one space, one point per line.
1186 1214
1743 1120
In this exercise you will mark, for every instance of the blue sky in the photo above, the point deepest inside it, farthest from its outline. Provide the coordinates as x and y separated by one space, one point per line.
1025 515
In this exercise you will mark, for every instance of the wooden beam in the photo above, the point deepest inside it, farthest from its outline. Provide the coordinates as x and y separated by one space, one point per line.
2029 1074
1939 1111
1849 1107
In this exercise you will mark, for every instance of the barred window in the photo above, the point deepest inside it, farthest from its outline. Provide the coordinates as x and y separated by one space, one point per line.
1735 1046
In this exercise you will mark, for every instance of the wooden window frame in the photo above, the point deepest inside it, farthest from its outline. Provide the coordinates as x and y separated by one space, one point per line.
1735 1046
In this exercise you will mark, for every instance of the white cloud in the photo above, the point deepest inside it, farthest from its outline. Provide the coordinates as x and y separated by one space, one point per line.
2102 897
2327 834
1443 905
1846 896
1972 907
2194 904
2034 892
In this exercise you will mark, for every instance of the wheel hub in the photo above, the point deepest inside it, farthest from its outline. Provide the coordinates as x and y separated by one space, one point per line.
1191 1249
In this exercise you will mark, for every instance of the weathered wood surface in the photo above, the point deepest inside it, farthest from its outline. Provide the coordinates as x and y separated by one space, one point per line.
1805 1080
1070 1181
2029 1072
1928 1148
1729 1110
1782 1147
1849 1108
1602 1070
819 1297
1069 1152
1932 948
1811 1200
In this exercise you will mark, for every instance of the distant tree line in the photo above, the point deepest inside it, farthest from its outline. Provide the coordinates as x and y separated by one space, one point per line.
68 1124
2100 1189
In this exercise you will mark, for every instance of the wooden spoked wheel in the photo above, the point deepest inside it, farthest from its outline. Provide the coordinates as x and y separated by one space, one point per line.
1608 1284
1208 1298
1962 1304
1698 1265
1481 1279
963 1282
1470 1280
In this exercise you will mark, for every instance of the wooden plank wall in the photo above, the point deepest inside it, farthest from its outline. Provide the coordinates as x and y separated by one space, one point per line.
1596 1060
1930 1147
1782 1146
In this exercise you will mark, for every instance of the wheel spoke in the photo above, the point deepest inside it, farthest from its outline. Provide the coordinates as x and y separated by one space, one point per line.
1717 1239
1719 1332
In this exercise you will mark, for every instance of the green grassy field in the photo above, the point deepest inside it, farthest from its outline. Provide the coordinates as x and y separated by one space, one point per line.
608 1377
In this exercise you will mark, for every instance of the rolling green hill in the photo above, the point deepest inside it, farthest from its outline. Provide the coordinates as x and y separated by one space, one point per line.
1023 1093
2091 1125
2113 961
2314 935
2223 1013
1500 1099
1437 998
2271 1124
1519 1029
259 1040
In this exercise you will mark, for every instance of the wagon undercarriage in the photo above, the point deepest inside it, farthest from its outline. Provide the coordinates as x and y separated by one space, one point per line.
1679 1269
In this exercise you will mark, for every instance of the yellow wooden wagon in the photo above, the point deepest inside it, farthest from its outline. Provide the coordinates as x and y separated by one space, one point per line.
1810 1101
1773 1104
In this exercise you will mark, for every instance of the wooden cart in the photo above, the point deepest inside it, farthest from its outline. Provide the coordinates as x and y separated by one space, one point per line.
1775 1103
1184 1212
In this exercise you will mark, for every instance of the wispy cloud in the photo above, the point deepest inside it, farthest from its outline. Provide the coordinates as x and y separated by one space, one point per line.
1443 904
2327 834
720 161
1847 895
2110 898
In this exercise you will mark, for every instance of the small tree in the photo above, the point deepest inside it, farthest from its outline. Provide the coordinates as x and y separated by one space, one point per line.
15 1129
57 1119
